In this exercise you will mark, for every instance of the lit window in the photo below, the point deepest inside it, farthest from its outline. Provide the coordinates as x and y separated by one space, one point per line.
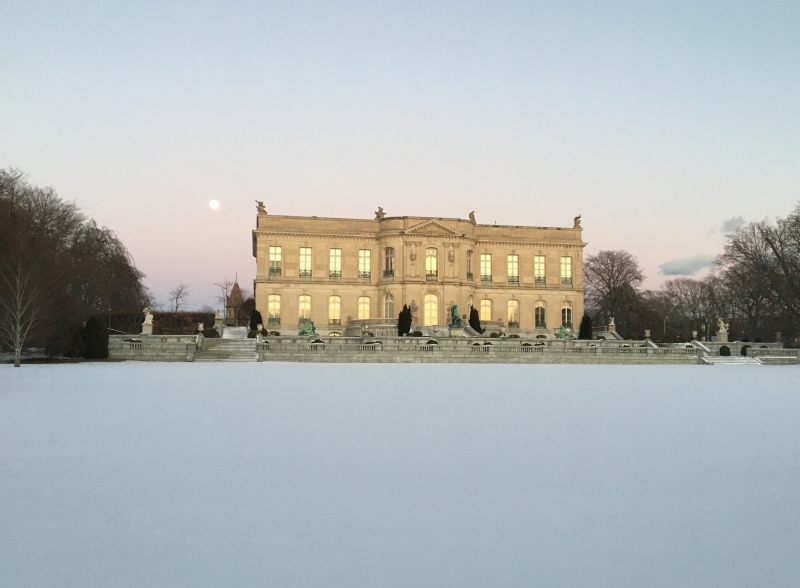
364 263
305 262
540 315
513 313
486 267
335 265
431 304
275 261
389 262
274 309
566 314
363 307
538 270
431 264
486 310
513 269
566 270
388 306
334 310
304 307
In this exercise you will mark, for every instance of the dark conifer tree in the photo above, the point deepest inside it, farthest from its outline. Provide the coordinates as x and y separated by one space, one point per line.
585 331
95 339
255 320
475 319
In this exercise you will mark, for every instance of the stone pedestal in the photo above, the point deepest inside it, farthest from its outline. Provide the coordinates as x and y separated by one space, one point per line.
722 336
147 329
217 321
456 332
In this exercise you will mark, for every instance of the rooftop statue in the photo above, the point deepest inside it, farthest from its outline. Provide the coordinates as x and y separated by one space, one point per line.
472 217
577 222
148 316
307 330
379 214
260 207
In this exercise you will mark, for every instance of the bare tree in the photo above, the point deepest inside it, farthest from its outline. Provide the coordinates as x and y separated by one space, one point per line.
178 296
224 292
613 279
20 303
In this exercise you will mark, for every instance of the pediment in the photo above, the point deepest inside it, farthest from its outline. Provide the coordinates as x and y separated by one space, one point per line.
431 227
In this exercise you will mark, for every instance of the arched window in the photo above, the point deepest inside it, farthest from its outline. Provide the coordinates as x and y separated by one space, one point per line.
304 309
470 304
431 264
486 310
388 306
513 313
540 315
566 314
274 309
363 307
469 266
431 303
334 311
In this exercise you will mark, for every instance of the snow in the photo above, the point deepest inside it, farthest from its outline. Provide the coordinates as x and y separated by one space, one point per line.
288 475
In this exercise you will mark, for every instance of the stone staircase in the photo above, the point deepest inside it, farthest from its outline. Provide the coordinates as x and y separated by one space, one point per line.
227 350
731 360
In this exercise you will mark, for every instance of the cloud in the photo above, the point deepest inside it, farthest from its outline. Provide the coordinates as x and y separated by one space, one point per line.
732 224
687 266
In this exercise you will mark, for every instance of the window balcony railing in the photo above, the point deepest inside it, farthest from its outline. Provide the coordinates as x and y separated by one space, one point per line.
334 322
274 320
513 280
431 276
486 278
334 276
566 281
470 277
303 320
540 281
275 271
566 324
365 275
305 274
513 324
541 325
388 273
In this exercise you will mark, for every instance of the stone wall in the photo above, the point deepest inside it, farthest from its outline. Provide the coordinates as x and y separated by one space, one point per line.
154 347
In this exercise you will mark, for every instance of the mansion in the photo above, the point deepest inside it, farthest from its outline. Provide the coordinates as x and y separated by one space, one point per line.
346 273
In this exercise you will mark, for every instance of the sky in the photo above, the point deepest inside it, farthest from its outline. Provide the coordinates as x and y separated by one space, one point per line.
663 125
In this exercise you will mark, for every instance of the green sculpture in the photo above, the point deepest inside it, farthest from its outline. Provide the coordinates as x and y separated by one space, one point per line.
307 330
562 333
455 320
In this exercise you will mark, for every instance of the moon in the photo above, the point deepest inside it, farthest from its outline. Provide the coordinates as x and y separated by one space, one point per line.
214 204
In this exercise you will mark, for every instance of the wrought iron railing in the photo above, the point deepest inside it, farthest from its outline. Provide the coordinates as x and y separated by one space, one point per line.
513 324
513 280
274 320
275 271
470 277
486 278
365 275
335 275
540 281
305 274
566 281
431 276
388 273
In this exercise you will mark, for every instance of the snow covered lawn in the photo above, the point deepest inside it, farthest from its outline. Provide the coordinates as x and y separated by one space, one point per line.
376 475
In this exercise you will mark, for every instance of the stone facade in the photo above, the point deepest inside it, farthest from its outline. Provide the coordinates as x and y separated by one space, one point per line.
340 272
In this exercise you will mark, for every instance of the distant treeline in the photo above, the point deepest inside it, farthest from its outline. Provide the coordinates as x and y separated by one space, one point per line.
57 270
754 286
